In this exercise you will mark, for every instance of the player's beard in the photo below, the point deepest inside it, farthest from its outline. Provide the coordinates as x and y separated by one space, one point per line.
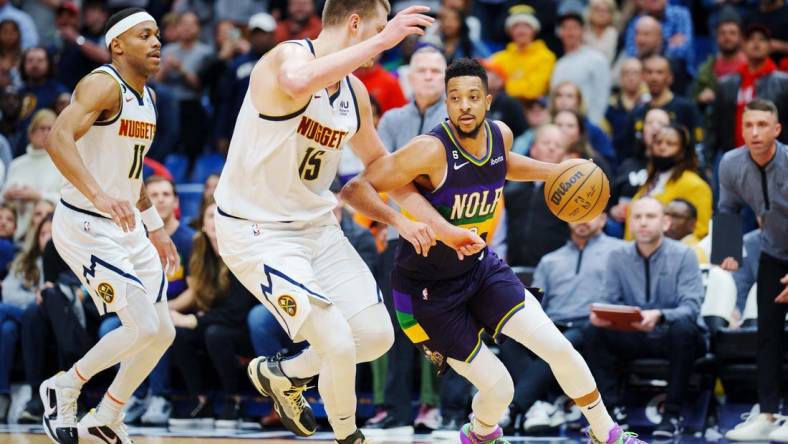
469 134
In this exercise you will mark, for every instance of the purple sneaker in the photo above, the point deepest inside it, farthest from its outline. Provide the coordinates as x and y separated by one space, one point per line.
616 436
468 437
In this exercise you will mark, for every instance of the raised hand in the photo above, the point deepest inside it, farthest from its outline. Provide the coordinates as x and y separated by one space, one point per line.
409 21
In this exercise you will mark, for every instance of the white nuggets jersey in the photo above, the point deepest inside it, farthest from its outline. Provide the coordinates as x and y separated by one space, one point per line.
113 150
279 169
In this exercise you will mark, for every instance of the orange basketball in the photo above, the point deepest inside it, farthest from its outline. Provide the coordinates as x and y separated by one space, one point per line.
578 191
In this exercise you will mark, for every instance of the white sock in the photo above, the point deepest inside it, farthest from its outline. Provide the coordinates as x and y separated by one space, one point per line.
109 409
71 379
598 418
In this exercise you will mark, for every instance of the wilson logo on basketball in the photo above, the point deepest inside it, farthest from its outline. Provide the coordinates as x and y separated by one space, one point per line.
106 292
288 305
559 193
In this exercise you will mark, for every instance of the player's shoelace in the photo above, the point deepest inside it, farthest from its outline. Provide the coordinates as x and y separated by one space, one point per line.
295 397
67 408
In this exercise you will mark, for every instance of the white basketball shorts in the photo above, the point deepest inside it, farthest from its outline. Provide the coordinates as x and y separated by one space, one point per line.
106 259
290 266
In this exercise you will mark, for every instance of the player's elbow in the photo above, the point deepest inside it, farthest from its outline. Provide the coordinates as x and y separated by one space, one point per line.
351 189
294 83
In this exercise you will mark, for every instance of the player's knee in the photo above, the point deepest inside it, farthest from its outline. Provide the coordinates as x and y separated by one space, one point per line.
503 388
377 341
561 352
147 330
340 344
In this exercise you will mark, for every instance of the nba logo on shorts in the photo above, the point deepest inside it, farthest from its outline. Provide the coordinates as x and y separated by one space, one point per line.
86 226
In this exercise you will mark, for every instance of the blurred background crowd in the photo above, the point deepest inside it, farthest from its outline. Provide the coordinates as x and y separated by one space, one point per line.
652 90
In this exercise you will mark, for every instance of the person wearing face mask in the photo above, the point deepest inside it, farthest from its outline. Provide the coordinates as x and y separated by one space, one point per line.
672 173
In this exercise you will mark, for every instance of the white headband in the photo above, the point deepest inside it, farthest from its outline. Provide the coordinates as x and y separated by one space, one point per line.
127 23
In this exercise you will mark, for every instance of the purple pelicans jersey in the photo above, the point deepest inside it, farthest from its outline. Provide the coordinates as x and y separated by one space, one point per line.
468 197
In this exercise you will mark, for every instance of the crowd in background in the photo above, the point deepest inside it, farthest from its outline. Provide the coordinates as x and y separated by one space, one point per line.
654 91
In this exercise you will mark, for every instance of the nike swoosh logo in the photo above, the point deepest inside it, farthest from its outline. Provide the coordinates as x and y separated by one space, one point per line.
481 256
105 434
129 99
597 403
457 167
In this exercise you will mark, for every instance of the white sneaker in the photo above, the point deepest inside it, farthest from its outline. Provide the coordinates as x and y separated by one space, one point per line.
542 417
158 412
60 411
91 430
781 433
756 427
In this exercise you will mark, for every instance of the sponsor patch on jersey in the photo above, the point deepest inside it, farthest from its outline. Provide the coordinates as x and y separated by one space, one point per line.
106 292
287 304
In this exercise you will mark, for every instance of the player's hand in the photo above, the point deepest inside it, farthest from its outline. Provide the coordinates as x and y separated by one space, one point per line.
730 264
465 242
419 234
649 322
596 321
782 298
409 21
166 249
119 210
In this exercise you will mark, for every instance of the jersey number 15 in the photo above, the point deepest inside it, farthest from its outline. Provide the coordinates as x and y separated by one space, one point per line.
310 166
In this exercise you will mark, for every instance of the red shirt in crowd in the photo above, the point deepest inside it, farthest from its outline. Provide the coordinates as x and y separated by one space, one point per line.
383 86
724 67
289 30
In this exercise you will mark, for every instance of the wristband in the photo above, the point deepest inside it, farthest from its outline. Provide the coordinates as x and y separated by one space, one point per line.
151 219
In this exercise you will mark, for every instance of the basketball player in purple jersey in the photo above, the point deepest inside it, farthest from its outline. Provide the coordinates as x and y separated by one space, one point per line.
443 303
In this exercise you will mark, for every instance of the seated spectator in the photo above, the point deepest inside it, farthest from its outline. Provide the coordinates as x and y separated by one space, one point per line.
40 87
676 29
261 28
61 102
658 76
633 173
228 43
672 173
11 50
662 277
531 229
571 279
33 176
19 291
729 59
218 330
572 124
600 30
537 114
82 46
683 217
11 125
631 94
182 63
302 22
584 66
527 61
8 248
454 37
773 14
41 209
382 85
150 402
23 20
568 96
504 107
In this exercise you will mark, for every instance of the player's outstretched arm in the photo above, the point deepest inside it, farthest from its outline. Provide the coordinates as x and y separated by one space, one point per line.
521 168
299 78
94 95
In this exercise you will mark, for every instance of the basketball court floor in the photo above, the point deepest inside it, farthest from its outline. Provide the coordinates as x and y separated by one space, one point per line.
15 434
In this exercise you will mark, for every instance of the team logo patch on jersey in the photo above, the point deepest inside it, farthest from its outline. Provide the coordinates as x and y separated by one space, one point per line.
287 304
106 292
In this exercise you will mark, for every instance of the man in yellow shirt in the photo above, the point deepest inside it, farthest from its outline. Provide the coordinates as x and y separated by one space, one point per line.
527 61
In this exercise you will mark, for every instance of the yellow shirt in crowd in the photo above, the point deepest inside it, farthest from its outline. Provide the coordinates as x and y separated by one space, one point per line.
689 186
528 70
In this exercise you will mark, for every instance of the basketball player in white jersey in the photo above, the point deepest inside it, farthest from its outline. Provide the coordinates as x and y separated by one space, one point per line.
274 225
98 143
